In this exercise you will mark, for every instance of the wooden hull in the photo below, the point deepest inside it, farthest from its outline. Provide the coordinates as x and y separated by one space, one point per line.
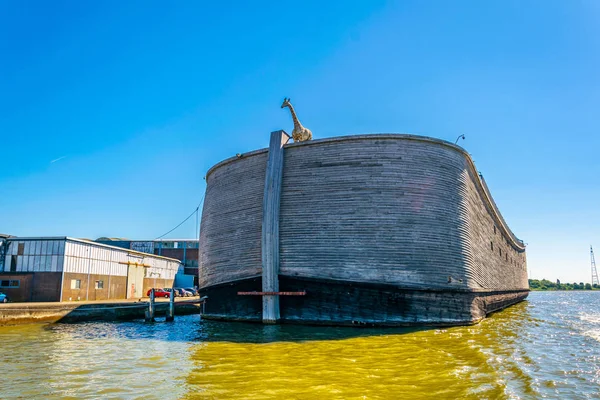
357 304
378 229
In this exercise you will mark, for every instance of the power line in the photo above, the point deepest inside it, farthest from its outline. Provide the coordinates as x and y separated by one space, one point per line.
197 226
182 222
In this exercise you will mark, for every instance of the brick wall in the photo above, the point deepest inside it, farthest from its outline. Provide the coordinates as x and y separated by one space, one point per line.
23 292
38 286
116 287
46 286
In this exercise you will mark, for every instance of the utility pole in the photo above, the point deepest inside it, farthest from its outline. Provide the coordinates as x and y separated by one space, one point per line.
594 270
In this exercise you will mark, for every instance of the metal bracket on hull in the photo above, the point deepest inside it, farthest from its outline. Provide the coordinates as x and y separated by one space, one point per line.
271 293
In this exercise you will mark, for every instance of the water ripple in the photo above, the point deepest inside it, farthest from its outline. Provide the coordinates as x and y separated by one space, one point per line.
547 347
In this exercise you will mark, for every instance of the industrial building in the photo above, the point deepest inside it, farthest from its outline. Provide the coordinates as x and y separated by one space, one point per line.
185 250
69 269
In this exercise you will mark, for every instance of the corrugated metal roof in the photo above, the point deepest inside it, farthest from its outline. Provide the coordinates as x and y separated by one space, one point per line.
116 239
91 242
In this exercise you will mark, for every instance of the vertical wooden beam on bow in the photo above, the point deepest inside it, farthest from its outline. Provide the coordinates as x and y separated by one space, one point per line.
270 226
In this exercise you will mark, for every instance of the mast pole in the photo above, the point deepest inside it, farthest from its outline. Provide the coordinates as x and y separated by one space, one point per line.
594 270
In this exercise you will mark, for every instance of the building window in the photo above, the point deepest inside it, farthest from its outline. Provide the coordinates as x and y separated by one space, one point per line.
75 283
12 283
99 285
492 245
500 252
21 249
494 229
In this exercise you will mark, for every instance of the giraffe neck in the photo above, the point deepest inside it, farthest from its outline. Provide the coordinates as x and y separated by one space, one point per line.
294 117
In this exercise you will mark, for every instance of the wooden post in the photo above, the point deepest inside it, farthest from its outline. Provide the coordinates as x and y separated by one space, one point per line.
203 301
270 226
171 310
150 310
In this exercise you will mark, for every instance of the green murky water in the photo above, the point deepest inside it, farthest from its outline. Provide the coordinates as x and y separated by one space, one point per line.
547 347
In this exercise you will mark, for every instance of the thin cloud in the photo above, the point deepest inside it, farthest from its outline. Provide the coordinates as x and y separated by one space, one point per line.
58 159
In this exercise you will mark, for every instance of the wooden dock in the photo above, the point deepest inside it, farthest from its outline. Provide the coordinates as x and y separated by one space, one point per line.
117 310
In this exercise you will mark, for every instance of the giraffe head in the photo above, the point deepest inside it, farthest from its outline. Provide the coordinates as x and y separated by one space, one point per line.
286 102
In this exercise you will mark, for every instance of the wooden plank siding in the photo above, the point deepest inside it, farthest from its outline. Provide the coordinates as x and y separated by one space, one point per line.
396 209
231 226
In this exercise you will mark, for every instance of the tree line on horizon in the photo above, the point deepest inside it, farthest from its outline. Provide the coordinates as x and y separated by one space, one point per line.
545 284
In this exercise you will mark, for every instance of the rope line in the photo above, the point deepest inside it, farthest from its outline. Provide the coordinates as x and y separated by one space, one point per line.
188 217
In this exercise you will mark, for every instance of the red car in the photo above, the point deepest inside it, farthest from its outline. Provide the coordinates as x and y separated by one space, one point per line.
159 293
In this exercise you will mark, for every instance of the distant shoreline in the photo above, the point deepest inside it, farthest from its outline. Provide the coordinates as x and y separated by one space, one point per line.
564 290
545 285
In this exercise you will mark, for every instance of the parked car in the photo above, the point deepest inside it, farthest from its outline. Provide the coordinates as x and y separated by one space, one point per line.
174 290
184 292
3 298
158 292
193 291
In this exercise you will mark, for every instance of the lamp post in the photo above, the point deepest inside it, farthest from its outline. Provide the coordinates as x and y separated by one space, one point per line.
460 136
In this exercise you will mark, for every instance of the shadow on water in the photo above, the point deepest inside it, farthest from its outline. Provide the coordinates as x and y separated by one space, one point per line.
191 328
241 332
511 321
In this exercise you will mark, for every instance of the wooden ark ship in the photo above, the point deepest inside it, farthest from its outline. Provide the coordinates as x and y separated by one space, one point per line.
382 229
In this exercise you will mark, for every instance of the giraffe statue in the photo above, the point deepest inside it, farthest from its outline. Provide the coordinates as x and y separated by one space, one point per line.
300 133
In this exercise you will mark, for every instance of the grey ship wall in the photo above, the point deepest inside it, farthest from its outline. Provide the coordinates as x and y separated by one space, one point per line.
378 229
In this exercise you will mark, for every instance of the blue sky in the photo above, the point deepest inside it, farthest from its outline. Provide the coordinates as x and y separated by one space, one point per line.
134 101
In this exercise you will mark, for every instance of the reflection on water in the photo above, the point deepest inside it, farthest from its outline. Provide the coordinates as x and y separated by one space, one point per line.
548 347
344 363
94 360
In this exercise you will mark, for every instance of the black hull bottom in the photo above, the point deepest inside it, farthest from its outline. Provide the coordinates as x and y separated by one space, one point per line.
357 304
